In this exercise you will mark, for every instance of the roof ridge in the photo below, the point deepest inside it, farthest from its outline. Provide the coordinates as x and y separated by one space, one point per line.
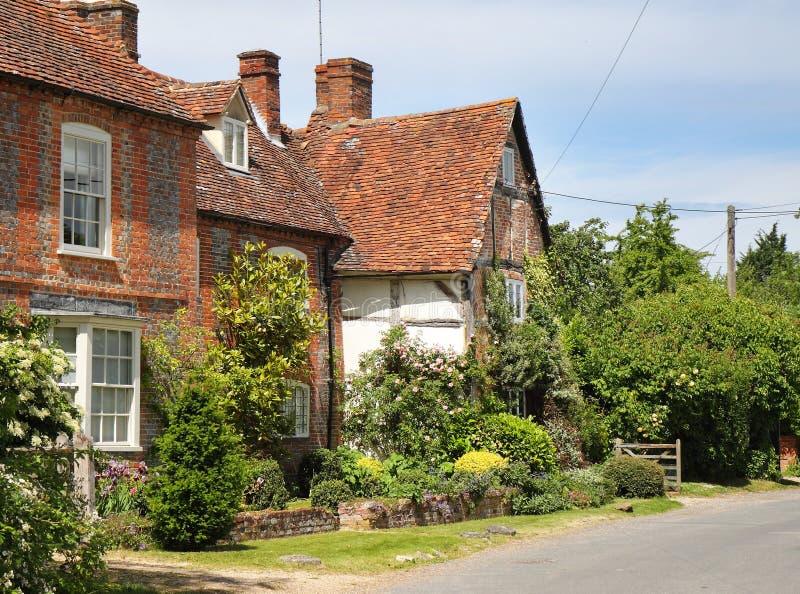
182 85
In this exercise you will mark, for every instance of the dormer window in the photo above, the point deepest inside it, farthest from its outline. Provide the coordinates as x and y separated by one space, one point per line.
235 135
508 167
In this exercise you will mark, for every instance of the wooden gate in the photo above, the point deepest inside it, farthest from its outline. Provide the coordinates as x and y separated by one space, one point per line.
668 455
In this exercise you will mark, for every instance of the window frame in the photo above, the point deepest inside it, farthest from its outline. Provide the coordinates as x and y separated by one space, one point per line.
92 134
85 327
508 167
234 152
515 294
305 433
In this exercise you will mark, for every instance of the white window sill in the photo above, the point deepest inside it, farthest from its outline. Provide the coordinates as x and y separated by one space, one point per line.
117 448
67 252
238 168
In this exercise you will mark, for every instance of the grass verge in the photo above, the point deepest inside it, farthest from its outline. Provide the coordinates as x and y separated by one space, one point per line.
375 551
691 489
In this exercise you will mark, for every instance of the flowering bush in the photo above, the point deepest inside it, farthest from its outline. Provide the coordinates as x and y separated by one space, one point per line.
47 544
119 487
409 399
479 462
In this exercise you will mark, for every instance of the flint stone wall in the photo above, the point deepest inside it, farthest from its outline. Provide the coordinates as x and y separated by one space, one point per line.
434 509
274 524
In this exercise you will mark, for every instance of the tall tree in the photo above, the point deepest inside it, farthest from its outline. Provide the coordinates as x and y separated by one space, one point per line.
648 259
770 272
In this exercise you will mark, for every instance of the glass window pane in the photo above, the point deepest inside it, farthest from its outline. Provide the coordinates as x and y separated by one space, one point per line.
66 338
240 145
227 131
98 370
126 372
108 429
122 428
96 399
79 233
95 427
108 400
97 154
83 178
68 150
67 231
112 342
125 342
68 199
91 234
96 177
99 342
83 151
69 177
80 207
112 371
122 401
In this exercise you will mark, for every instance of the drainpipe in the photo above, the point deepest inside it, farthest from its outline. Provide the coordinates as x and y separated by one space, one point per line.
328 287
494 237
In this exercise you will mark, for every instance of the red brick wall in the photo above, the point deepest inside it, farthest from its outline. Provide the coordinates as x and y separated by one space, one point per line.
153 212
344 86
219 238
116 19
259 73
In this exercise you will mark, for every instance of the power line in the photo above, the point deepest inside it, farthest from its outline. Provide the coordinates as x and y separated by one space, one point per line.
770 215
770 206
710 242
709 210
599 92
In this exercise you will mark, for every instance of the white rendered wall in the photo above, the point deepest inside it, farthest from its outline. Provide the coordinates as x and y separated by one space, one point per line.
371 306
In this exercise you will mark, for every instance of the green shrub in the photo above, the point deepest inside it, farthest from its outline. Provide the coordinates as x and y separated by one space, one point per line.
473 484
197 490
128 531
412 483
265 485
635 477
544 494
588 487
479 462
516 439
517 475
322 462
792 469
567 442
762 464
330 493
370 465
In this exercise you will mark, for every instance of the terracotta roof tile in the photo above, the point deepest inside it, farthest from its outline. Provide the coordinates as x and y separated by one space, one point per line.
414 190
40 40
206 98
279 190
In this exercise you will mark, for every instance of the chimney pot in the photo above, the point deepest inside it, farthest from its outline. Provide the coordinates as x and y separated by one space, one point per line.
260 74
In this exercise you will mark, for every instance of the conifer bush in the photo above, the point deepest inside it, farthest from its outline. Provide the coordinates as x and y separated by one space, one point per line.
194 495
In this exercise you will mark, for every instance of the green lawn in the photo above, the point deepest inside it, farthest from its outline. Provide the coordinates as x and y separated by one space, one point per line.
690 489
375 551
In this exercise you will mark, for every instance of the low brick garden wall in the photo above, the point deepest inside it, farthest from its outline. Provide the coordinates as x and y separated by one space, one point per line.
434 509
274 524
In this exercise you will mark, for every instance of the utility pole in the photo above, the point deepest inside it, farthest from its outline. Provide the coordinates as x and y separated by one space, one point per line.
731 251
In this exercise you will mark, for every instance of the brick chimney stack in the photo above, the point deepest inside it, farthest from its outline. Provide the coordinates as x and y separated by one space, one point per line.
116 19
259 73
344 89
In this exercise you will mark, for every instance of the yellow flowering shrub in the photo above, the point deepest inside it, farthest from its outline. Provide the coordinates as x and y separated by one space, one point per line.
371 465
479 462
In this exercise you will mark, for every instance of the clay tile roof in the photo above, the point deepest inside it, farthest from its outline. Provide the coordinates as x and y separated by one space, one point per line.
206 98
414 190
41 41
280 189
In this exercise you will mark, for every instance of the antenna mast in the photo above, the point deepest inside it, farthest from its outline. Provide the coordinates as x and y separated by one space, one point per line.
319 4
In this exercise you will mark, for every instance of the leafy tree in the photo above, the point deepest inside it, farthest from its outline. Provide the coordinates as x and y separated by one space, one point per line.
196 492
47 543
696 365
770 272
648 259
266 328
581 266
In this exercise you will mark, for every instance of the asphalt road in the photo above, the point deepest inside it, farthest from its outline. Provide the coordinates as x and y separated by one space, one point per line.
751 544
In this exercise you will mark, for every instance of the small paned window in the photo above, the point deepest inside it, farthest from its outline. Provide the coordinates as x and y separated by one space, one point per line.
296 408
508 167
67 339
515 293
235 135
112 385
516 403
84 187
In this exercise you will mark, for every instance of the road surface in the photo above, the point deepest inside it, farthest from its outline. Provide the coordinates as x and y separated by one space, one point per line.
745 544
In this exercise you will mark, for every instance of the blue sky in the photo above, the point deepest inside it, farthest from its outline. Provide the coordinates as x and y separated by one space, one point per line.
702 108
